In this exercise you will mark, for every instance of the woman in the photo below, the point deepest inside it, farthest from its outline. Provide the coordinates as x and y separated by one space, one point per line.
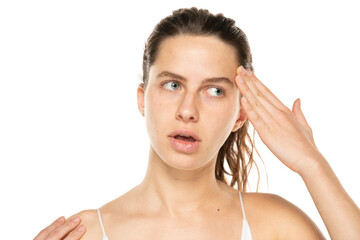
198 95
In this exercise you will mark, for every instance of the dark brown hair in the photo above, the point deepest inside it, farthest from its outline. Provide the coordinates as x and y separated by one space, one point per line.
200 22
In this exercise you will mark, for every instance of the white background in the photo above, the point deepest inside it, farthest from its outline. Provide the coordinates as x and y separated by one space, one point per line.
71 136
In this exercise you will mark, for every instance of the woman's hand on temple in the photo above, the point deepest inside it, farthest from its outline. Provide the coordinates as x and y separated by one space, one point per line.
62 229
286 133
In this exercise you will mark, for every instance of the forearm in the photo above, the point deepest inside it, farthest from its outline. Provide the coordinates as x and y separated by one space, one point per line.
338 211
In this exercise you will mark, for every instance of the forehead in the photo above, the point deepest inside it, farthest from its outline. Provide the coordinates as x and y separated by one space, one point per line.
196 56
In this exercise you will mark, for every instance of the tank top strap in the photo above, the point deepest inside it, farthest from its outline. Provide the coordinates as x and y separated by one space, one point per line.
246 232
242 205
101 224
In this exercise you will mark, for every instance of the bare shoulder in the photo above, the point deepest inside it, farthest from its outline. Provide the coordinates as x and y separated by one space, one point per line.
289 220
112 213
89 218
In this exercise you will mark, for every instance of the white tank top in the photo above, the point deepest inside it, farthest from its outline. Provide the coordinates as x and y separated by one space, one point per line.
245 233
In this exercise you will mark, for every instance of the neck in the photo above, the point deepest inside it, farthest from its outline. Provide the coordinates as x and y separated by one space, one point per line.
179 192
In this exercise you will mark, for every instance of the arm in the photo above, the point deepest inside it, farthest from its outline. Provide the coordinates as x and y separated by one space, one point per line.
338 211
288 135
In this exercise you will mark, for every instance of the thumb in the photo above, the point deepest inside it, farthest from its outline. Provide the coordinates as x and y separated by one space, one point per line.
299 115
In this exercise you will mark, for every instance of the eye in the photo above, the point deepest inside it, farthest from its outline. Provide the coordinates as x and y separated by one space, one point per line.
172 85
217 91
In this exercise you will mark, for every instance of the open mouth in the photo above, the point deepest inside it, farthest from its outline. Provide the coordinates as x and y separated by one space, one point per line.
184 138
185 144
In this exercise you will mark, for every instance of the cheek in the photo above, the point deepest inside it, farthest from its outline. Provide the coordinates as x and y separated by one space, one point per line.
157 112
156 103
220 118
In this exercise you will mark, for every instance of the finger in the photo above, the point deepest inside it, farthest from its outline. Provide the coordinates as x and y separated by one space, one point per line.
65 229
253 117
255 98
300 115
265 91
43 233
77 233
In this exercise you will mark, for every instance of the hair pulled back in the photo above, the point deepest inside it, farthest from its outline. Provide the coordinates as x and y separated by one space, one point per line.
200 22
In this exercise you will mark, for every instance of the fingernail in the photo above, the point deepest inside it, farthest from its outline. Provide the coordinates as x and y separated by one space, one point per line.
60 219
81 228
242 70
75 219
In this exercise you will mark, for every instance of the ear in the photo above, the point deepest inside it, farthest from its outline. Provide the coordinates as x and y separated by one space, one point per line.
241 118
140 98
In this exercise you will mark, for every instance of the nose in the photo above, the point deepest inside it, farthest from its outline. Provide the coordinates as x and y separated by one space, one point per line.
187 110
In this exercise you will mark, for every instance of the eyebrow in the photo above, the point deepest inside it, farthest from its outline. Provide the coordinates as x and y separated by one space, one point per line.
206 80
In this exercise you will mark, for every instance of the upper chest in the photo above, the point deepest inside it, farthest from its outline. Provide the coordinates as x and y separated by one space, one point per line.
130 223
225 226
161 229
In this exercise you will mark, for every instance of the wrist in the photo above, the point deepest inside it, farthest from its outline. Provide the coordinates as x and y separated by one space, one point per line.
314 167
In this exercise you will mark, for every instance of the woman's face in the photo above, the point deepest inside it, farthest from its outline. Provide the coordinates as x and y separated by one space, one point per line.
211 110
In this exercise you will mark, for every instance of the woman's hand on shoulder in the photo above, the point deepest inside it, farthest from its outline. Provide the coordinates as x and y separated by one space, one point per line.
78 226
293 223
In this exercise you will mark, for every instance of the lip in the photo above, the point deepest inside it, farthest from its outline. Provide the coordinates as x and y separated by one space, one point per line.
185 132
184 146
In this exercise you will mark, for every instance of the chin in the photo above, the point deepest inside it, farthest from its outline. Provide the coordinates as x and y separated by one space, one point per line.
184 162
